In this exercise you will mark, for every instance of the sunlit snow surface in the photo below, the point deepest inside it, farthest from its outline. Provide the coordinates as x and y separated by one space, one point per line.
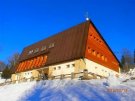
69 90
14 92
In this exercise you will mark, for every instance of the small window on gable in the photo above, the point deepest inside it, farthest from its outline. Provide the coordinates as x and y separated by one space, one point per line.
102 57
98 55
100 41
105 59
89 50
93 52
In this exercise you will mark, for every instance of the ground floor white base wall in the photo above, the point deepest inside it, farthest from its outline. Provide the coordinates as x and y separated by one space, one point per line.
64 68
74 66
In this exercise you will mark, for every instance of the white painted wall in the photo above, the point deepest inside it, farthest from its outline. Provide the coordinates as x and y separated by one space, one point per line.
90 65
27 74
63 69
98 69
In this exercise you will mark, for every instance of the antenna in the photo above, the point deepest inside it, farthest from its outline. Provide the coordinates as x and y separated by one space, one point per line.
87 16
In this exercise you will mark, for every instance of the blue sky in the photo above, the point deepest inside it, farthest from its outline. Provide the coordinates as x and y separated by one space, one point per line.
24 22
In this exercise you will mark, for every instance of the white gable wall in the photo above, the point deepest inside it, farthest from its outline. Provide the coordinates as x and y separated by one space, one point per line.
98 69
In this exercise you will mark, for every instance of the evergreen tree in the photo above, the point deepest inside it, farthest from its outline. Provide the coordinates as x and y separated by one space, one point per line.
6 74
123 60
123 63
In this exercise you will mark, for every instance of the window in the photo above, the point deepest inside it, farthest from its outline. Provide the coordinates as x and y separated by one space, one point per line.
68 66
90 34
98 55
102 57
30 52
51 45
36 50
73 65
93 52
105 59
59 67
54 68
89 50
43 48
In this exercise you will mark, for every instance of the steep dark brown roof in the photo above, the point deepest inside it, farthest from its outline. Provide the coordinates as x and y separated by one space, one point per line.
68 45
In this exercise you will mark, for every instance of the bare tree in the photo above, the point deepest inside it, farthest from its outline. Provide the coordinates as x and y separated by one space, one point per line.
127 59
2 66
12 61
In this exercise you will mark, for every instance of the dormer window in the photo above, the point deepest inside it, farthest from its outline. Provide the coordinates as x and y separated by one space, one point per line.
51 45
30 52
43 48
36 50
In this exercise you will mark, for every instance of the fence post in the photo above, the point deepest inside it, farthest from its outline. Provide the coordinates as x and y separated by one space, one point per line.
94 76
61 76
85 74
72 75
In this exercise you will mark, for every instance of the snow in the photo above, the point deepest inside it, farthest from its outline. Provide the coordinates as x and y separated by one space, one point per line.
14 92
111 89
2 80
75 90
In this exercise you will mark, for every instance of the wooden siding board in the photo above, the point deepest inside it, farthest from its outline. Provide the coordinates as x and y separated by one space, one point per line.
101 48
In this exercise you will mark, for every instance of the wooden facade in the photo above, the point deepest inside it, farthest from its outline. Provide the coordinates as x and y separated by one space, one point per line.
98 51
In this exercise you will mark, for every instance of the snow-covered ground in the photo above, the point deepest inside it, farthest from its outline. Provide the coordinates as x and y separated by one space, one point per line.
14 92
2 80
111 89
